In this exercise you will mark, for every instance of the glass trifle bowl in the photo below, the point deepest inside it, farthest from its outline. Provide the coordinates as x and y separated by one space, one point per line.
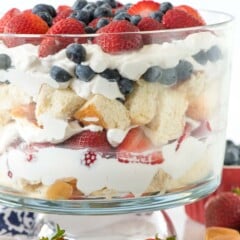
117 113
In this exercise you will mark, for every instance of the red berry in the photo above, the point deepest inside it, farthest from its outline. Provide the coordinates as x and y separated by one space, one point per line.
51 45
94 22
127 38
175 18
193 12
62 15
132 149
144 8
61 8
89 158
24 23
87 139
223 210
7 16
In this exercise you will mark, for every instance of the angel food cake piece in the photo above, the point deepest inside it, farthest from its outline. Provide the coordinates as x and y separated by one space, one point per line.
113 114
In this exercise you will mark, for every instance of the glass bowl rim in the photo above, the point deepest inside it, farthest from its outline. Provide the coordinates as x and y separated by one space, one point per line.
228 20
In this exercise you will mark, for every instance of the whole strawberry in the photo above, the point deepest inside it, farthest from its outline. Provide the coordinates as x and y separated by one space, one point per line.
223 210
119 36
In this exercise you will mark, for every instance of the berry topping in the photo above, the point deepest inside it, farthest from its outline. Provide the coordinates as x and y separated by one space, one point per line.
7 16
81 15
46 17
125 86
223 210
184 70
62 15
44 8
116 43
102 12
175 18
149 24
79 4
84 73
59 74
214 53
102 22
76 53
5 61
112 75
87 139
169 76
122 16
51 45
201 57
135 19
232 154
157 15
153 74
144 8
165 6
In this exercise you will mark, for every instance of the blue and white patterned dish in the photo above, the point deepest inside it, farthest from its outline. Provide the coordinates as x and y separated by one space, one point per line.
16 222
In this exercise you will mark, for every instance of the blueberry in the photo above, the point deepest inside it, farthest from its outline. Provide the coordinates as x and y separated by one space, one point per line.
135 19
112 3
81 15
112 75
44 8
153 74
84 72
231 154
46 17
79 4
169 76
90 7
102 12
102 22
76 53
201 57
214 53
128 5
59 74
157 15
184 70
122 16
5 61
99 3
89 29
125 86
165 6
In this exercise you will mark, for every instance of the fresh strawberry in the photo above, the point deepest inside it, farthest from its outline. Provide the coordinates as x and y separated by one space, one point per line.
175 18
193 12
53 44
223 210
7 16
62 15
24 23
88 139
134 146
117 43
144 8
94 22
61 8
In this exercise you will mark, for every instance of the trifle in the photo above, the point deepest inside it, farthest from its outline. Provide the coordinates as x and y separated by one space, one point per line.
104 100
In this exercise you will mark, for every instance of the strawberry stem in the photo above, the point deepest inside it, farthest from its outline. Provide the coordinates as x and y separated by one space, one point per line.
236 190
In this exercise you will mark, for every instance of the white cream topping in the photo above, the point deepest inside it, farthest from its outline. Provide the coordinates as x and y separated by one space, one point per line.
115 136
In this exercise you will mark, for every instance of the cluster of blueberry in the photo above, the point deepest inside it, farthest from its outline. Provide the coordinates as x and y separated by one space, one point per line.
232 153
77 53
213 54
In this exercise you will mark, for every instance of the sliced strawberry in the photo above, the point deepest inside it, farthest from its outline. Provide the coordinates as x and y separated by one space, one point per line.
192 11
144 8
62 15
24 23
52 44
7 16
117 43
87 139
175 18
134 146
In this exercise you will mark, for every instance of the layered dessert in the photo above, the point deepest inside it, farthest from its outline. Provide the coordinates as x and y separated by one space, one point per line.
110 100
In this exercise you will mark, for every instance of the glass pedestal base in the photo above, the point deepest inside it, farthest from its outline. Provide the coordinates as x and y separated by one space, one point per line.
140 226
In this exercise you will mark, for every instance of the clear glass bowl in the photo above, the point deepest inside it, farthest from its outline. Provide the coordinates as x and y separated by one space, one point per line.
148 136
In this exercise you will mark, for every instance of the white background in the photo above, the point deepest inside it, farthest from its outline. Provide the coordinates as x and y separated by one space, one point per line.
185 227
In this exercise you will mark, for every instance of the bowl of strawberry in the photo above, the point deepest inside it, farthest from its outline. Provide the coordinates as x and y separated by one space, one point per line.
230 183
122 105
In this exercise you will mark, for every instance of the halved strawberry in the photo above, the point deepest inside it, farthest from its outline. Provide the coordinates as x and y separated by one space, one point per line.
192 11
7 16
175 18
119 36
87 139
144 8
52 44
135 149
